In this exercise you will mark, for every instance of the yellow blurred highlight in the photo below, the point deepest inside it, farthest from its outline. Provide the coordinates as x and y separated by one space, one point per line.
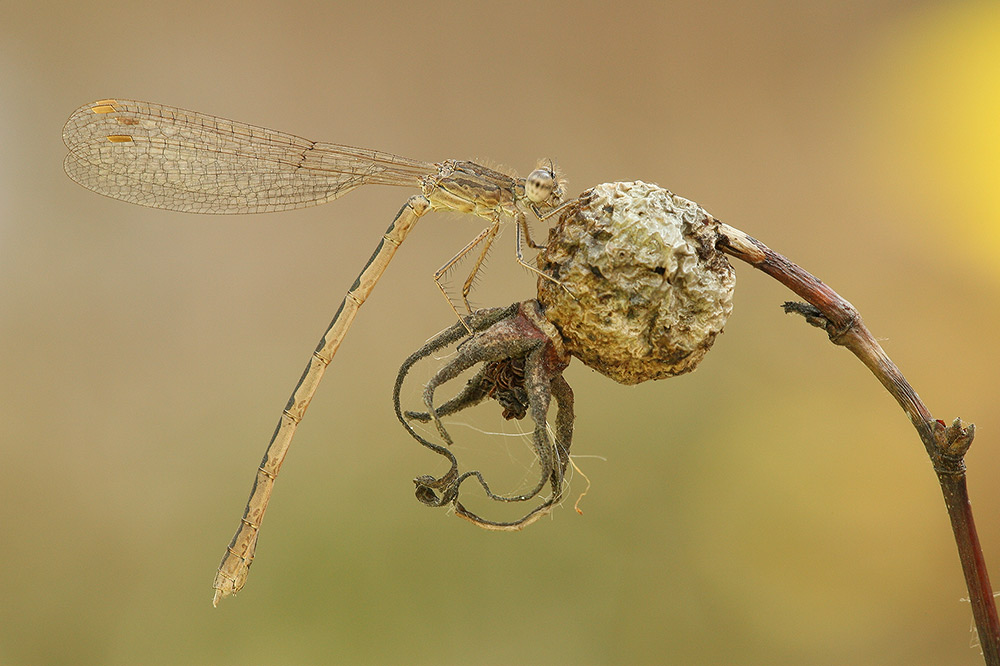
938 117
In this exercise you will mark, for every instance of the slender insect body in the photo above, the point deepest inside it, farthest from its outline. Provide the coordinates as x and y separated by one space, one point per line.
169 158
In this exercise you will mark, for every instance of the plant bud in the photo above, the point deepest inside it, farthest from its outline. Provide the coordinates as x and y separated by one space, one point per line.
638 290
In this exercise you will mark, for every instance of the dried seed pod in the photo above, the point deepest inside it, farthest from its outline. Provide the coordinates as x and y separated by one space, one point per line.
640 289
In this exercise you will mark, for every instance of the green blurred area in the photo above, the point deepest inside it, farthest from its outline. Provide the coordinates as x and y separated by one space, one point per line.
774 507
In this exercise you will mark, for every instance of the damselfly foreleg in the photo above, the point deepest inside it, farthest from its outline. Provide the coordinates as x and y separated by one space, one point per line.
522 228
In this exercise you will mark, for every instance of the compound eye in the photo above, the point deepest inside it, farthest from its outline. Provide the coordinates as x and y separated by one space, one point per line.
539 185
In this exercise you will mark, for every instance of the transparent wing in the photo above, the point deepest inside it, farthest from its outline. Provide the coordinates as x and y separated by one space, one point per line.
164 157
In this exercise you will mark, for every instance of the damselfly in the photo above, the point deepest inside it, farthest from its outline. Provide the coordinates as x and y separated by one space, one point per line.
164 157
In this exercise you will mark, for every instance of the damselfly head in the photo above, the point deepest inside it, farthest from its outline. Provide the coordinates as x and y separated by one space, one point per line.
545 185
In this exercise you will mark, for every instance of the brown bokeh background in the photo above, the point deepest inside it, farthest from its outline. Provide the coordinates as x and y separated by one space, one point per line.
774 507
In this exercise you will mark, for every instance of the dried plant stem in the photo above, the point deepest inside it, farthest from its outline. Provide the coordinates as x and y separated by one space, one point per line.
945 444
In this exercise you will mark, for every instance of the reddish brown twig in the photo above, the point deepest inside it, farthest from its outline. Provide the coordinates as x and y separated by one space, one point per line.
945 444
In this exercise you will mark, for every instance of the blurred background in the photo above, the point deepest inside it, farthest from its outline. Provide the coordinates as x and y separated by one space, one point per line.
774 507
